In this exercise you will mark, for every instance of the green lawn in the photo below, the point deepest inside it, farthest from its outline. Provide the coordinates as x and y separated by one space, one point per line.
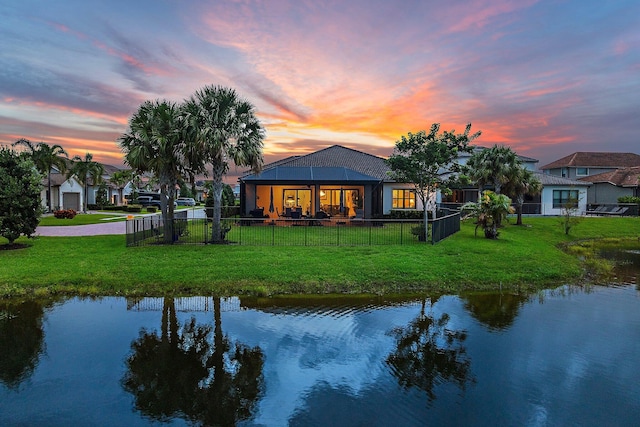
522 258
82 219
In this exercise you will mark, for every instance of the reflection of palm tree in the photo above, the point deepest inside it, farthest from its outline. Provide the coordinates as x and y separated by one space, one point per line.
427 354
497 311
21 340
184 375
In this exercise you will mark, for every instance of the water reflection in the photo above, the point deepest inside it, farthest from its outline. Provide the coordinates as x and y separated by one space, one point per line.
191 374
429 353
21 339
330 360
495 310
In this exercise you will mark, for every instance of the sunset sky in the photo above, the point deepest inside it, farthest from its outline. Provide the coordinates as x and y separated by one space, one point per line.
546 78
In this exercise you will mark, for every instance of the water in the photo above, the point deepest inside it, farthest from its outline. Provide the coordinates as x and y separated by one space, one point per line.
567 356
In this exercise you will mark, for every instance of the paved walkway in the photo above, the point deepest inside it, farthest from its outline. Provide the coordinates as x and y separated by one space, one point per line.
118 227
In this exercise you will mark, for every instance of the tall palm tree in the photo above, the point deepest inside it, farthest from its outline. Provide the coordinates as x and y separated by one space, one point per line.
493 166
223 127
45 157
155 144
84 169
521 182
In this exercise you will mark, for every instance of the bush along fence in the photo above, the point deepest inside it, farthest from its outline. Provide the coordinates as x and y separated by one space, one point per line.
151 230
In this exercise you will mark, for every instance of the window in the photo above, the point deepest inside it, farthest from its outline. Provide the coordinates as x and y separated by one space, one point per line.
563 197
403 199
582 171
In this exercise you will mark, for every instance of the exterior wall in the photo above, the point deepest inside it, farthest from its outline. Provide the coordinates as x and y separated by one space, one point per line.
605 193
547 199
570 172
387 196
69 186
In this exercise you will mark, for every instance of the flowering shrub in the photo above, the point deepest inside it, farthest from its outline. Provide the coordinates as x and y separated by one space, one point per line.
65 213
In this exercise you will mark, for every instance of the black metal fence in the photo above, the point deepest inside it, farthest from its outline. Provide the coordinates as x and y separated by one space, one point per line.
151 230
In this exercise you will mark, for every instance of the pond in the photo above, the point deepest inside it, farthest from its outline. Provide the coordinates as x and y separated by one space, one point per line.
567 356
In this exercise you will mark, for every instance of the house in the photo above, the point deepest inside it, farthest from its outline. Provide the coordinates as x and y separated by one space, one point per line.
336 181
581 164
607 187
598 166
469 193
558 192
66 193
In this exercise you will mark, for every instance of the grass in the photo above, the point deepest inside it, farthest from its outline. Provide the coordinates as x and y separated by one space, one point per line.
522 259
82 219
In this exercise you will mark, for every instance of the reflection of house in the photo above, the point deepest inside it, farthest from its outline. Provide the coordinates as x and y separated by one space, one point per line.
338 181
604 170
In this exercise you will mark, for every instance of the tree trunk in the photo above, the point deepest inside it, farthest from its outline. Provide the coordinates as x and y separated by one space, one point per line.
519 203
216 227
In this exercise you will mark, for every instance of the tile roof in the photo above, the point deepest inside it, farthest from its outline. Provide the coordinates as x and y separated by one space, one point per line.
596 159
627 177
337 156
546 179
478 148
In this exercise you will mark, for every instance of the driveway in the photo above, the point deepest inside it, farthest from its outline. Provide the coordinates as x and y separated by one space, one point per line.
106 227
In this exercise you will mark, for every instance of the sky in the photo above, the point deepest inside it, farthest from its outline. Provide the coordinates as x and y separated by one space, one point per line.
546 78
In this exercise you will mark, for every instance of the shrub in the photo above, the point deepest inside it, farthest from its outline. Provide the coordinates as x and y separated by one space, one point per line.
134 208
151 209
20 205
629 199
65 214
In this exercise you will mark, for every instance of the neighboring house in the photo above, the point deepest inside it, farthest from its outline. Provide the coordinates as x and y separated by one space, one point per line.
114 195
608 186
338 181
470 193
585 165
66 193
557 192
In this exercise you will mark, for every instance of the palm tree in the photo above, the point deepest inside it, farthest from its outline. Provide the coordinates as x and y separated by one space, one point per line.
493 166
521 183
83 169
45 157
224 128
489 212
120 179
155 144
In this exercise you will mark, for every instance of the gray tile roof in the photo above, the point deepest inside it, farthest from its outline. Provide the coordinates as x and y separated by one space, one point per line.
335 157
311 173
547 180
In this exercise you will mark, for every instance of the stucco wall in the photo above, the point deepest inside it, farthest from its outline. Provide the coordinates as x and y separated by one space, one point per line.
547 200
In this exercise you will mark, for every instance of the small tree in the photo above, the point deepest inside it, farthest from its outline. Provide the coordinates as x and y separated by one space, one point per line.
569 216
102 197
428 162
20 205
489 212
